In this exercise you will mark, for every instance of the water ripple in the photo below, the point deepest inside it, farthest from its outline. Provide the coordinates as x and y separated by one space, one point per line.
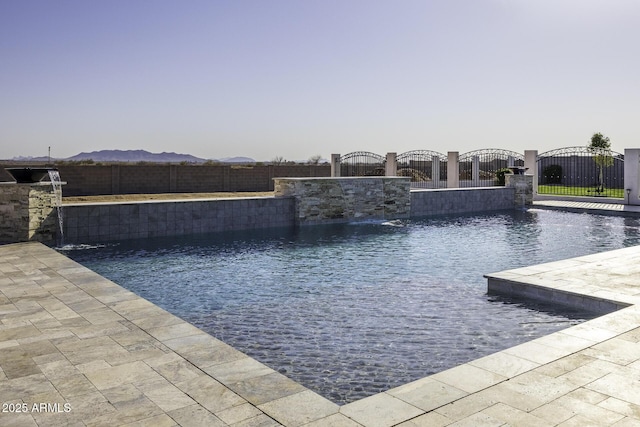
353 310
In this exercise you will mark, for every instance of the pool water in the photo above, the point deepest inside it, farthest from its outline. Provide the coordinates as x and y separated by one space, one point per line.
355 309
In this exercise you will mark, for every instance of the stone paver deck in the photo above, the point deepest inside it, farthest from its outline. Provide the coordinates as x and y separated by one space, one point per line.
70 336
582 206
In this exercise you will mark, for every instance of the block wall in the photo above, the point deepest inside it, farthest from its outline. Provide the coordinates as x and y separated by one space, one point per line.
90 180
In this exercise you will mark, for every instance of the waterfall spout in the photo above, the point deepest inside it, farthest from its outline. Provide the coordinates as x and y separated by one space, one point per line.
56 183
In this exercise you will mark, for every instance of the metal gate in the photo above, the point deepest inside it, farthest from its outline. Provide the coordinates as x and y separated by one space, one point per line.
480 168
581 171
362 163
427 169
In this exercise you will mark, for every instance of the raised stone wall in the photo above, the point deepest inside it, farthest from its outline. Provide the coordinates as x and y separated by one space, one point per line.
460 200
329 200
523 186
27 212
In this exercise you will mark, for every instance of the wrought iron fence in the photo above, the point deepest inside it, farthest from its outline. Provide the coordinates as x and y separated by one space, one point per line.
427 169
479 168
362 163
581 171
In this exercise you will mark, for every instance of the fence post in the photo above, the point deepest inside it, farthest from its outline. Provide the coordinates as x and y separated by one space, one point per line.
453 169
531 163
632 176
391 166
435 171
475 171
335 165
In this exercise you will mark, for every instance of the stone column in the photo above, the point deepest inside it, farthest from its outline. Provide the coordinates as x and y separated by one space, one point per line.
523 185
435 172
475 171
632 176
391 166
27 212
453 170
531 164
335 165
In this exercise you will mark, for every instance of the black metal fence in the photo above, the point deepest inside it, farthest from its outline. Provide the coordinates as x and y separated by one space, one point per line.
480 168
581 171
362 163
427 169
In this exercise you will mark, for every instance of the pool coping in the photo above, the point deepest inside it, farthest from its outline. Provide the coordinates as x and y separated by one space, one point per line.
137 363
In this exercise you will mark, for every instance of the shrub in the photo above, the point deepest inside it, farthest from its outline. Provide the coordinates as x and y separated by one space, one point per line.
500 175
552 174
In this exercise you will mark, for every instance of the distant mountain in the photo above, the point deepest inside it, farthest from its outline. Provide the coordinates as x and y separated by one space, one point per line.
30 159
237 160
135 156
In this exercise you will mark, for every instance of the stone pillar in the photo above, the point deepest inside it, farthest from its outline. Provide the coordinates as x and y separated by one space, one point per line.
523 185
391 165
475 170
453 170
632 176
435 172
27 212
335 165
531 166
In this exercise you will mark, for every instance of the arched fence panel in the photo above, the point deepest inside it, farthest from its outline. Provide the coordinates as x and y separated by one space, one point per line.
427 169
479 168
362 163
581 171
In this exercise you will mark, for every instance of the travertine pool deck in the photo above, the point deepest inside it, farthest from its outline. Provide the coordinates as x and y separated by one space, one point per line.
68 335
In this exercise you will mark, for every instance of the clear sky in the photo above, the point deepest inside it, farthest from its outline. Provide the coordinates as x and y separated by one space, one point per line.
270 78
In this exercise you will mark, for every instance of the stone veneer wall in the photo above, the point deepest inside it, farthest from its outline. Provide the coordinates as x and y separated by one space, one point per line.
27 212
330 200
460 200
523 185
99 222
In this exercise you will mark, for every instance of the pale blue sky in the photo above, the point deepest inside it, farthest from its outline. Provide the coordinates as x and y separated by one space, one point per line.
271 78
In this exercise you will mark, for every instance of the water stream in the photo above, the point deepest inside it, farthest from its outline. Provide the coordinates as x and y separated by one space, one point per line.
56 183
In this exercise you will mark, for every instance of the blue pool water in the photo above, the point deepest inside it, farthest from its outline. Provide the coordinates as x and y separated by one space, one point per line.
352 310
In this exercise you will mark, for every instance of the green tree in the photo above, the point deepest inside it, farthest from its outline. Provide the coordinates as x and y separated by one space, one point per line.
600 148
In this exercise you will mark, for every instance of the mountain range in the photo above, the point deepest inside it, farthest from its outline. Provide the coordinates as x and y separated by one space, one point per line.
139 156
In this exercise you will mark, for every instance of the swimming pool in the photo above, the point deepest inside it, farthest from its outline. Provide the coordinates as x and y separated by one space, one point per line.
351 310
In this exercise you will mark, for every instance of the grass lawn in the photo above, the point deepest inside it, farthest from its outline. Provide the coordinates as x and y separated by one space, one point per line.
580 191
